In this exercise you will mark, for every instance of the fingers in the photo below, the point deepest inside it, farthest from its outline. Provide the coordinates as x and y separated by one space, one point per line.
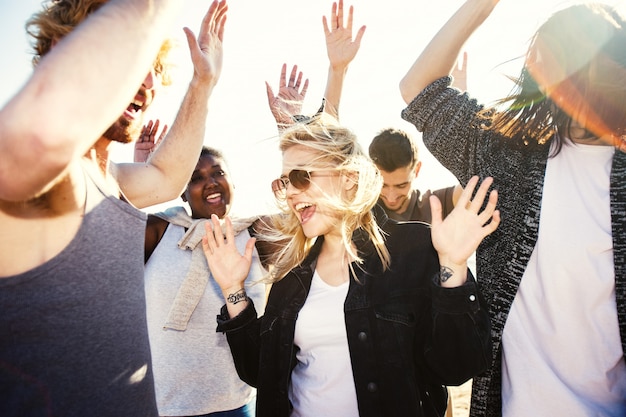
465 196
283 77
221 19
149 131
326 29
339 21
294 83
215 18
217 231
208 240
305 87
249 248
292 77
155 127
191 41
270 94
161 136
350 17
479 197
490 211
435 210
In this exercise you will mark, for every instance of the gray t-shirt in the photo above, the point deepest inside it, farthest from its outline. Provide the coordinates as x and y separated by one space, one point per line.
73 333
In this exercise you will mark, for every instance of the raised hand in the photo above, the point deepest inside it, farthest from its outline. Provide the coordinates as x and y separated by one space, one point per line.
148 140
290 96
228 267
340 45
207 51
458 236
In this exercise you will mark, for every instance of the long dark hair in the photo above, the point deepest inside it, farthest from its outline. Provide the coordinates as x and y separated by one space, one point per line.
584 47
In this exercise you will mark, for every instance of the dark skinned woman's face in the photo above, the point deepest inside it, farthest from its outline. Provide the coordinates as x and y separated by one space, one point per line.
209 190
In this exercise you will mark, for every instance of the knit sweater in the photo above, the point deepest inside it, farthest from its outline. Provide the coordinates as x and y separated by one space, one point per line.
456 136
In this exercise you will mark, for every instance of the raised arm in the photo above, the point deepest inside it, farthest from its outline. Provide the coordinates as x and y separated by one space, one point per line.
341 49
69 101
440 55
169 168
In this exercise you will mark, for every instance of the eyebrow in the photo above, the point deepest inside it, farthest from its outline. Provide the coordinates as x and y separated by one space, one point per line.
397 185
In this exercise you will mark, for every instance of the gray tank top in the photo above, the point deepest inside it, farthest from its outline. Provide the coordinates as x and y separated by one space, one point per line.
73 332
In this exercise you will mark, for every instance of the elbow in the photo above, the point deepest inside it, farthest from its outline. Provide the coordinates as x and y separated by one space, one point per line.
32 164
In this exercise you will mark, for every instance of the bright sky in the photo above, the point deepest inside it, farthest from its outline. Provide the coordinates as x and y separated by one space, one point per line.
262 35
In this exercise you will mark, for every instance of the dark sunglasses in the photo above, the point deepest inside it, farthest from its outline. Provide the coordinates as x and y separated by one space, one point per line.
299 178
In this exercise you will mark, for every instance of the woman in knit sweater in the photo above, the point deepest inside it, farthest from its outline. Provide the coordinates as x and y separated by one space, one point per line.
554 273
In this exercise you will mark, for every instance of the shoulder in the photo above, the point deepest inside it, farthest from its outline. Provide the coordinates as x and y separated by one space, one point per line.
156 224
407 235
155 229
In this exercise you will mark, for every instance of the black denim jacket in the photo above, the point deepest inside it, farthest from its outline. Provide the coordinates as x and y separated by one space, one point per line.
408 337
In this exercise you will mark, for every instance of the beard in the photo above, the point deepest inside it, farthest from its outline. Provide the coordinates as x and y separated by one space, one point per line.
123 130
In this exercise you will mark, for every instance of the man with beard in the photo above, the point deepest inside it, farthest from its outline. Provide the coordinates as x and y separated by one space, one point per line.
73 334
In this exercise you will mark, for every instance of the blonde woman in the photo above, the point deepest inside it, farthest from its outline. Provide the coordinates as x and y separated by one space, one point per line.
362 318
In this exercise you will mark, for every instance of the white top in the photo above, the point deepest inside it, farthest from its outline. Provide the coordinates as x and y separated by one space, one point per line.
322 383
562 354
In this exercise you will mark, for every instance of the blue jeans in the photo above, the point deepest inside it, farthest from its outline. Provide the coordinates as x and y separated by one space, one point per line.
247 410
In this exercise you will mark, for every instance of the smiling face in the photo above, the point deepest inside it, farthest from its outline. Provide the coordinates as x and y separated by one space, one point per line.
397 187
127 127
310 205
209 190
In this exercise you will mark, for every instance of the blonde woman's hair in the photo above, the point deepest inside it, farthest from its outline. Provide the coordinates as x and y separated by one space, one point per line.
335 148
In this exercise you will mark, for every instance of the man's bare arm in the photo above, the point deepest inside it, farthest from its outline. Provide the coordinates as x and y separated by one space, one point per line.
169 168
69 100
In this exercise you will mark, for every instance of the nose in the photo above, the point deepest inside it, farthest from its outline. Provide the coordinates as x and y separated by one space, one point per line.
210 181
391 196
148 82
290 189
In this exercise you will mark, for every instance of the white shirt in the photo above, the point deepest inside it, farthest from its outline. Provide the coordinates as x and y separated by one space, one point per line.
562 352
322 383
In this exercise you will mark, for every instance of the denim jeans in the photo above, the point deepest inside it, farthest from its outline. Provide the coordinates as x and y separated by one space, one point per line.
247 410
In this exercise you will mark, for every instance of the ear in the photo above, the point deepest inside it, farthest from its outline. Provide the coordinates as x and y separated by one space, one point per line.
350 180
418 166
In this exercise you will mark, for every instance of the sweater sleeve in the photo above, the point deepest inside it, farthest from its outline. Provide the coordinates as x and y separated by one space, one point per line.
453 128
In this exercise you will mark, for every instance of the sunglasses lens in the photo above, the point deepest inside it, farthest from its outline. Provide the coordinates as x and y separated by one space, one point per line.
279 186
300 179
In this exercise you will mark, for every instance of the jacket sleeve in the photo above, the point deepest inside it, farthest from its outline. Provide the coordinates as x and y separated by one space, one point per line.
460 344
242 334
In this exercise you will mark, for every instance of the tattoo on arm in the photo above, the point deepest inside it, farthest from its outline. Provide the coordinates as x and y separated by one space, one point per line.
237 297
445 273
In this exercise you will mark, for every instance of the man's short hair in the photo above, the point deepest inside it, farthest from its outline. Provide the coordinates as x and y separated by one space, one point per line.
59 17
392 149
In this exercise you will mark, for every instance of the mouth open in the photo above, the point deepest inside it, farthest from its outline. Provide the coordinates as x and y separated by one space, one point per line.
134 109
306 211
215 198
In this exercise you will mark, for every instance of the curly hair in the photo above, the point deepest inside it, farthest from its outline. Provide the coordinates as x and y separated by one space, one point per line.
585 45
57 18
335 147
